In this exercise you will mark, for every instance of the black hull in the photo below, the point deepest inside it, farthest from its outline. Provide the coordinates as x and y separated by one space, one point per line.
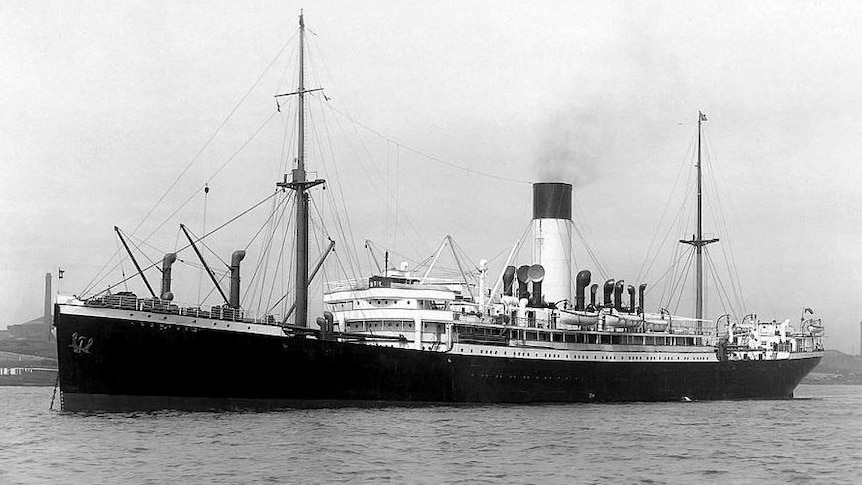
143 365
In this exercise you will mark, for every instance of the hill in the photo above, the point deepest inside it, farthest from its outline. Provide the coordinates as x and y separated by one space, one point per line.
836 368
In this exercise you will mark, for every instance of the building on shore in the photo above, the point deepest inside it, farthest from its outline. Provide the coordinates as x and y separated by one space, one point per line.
33 337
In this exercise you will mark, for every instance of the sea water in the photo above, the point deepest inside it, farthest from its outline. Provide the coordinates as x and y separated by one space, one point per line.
814 438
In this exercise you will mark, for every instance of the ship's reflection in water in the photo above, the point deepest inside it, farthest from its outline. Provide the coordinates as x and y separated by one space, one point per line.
809 439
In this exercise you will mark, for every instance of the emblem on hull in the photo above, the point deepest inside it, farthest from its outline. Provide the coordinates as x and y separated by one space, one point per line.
81 345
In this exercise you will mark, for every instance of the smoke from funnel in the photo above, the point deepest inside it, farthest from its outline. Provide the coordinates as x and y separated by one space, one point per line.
572 145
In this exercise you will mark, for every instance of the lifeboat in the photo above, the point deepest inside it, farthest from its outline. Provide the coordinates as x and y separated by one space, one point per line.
581 319
623 320
656 325
814 327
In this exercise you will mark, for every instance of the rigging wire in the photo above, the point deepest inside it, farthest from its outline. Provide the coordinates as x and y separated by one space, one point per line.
222 167
122 269
427 156
317 136
221 276
684 280
275 280
283 203
279 260
584 235
669 275
593 257
278 264
285 274
419 241
266 246
214 133
645 268
340 191
722 293
670 271
377 190
99 277
263 257
203 230
396 198
499 254
729 259
231 220
189 199
201 241
137 243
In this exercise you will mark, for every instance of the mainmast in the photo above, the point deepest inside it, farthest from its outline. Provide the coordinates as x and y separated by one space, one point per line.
697 239
300 185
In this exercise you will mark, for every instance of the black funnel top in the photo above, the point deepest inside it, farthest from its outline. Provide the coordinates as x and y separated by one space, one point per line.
552 200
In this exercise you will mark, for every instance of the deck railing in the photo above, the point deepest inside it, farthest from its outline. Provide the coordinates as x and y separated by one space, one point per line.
131 302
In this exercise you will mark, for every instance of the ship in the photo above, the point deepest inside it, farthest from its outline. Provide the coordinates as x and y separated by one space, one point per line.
539 332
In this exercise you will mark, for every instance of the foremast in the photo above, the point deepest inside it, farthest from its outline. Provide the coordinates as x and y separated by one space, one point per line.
697 240
299 184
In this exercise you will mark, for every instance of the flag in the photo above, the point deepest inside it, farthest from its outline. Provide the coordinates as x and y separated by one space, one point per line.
702 117
60 273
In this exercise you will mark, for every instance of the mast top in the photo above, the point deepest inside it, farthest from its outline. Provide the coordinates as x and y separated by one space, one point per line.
697 239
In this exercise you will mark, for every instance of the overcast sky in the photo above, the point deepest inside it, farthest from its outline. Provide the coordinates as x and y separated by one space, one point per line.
103 105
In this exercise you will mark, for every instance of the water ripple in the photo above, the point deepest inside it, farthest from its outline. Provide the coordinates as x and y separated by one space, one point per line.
808 440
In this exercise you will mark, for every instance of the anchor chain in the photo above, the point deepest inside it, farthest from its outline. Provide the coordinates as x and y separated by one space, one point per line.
54 394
